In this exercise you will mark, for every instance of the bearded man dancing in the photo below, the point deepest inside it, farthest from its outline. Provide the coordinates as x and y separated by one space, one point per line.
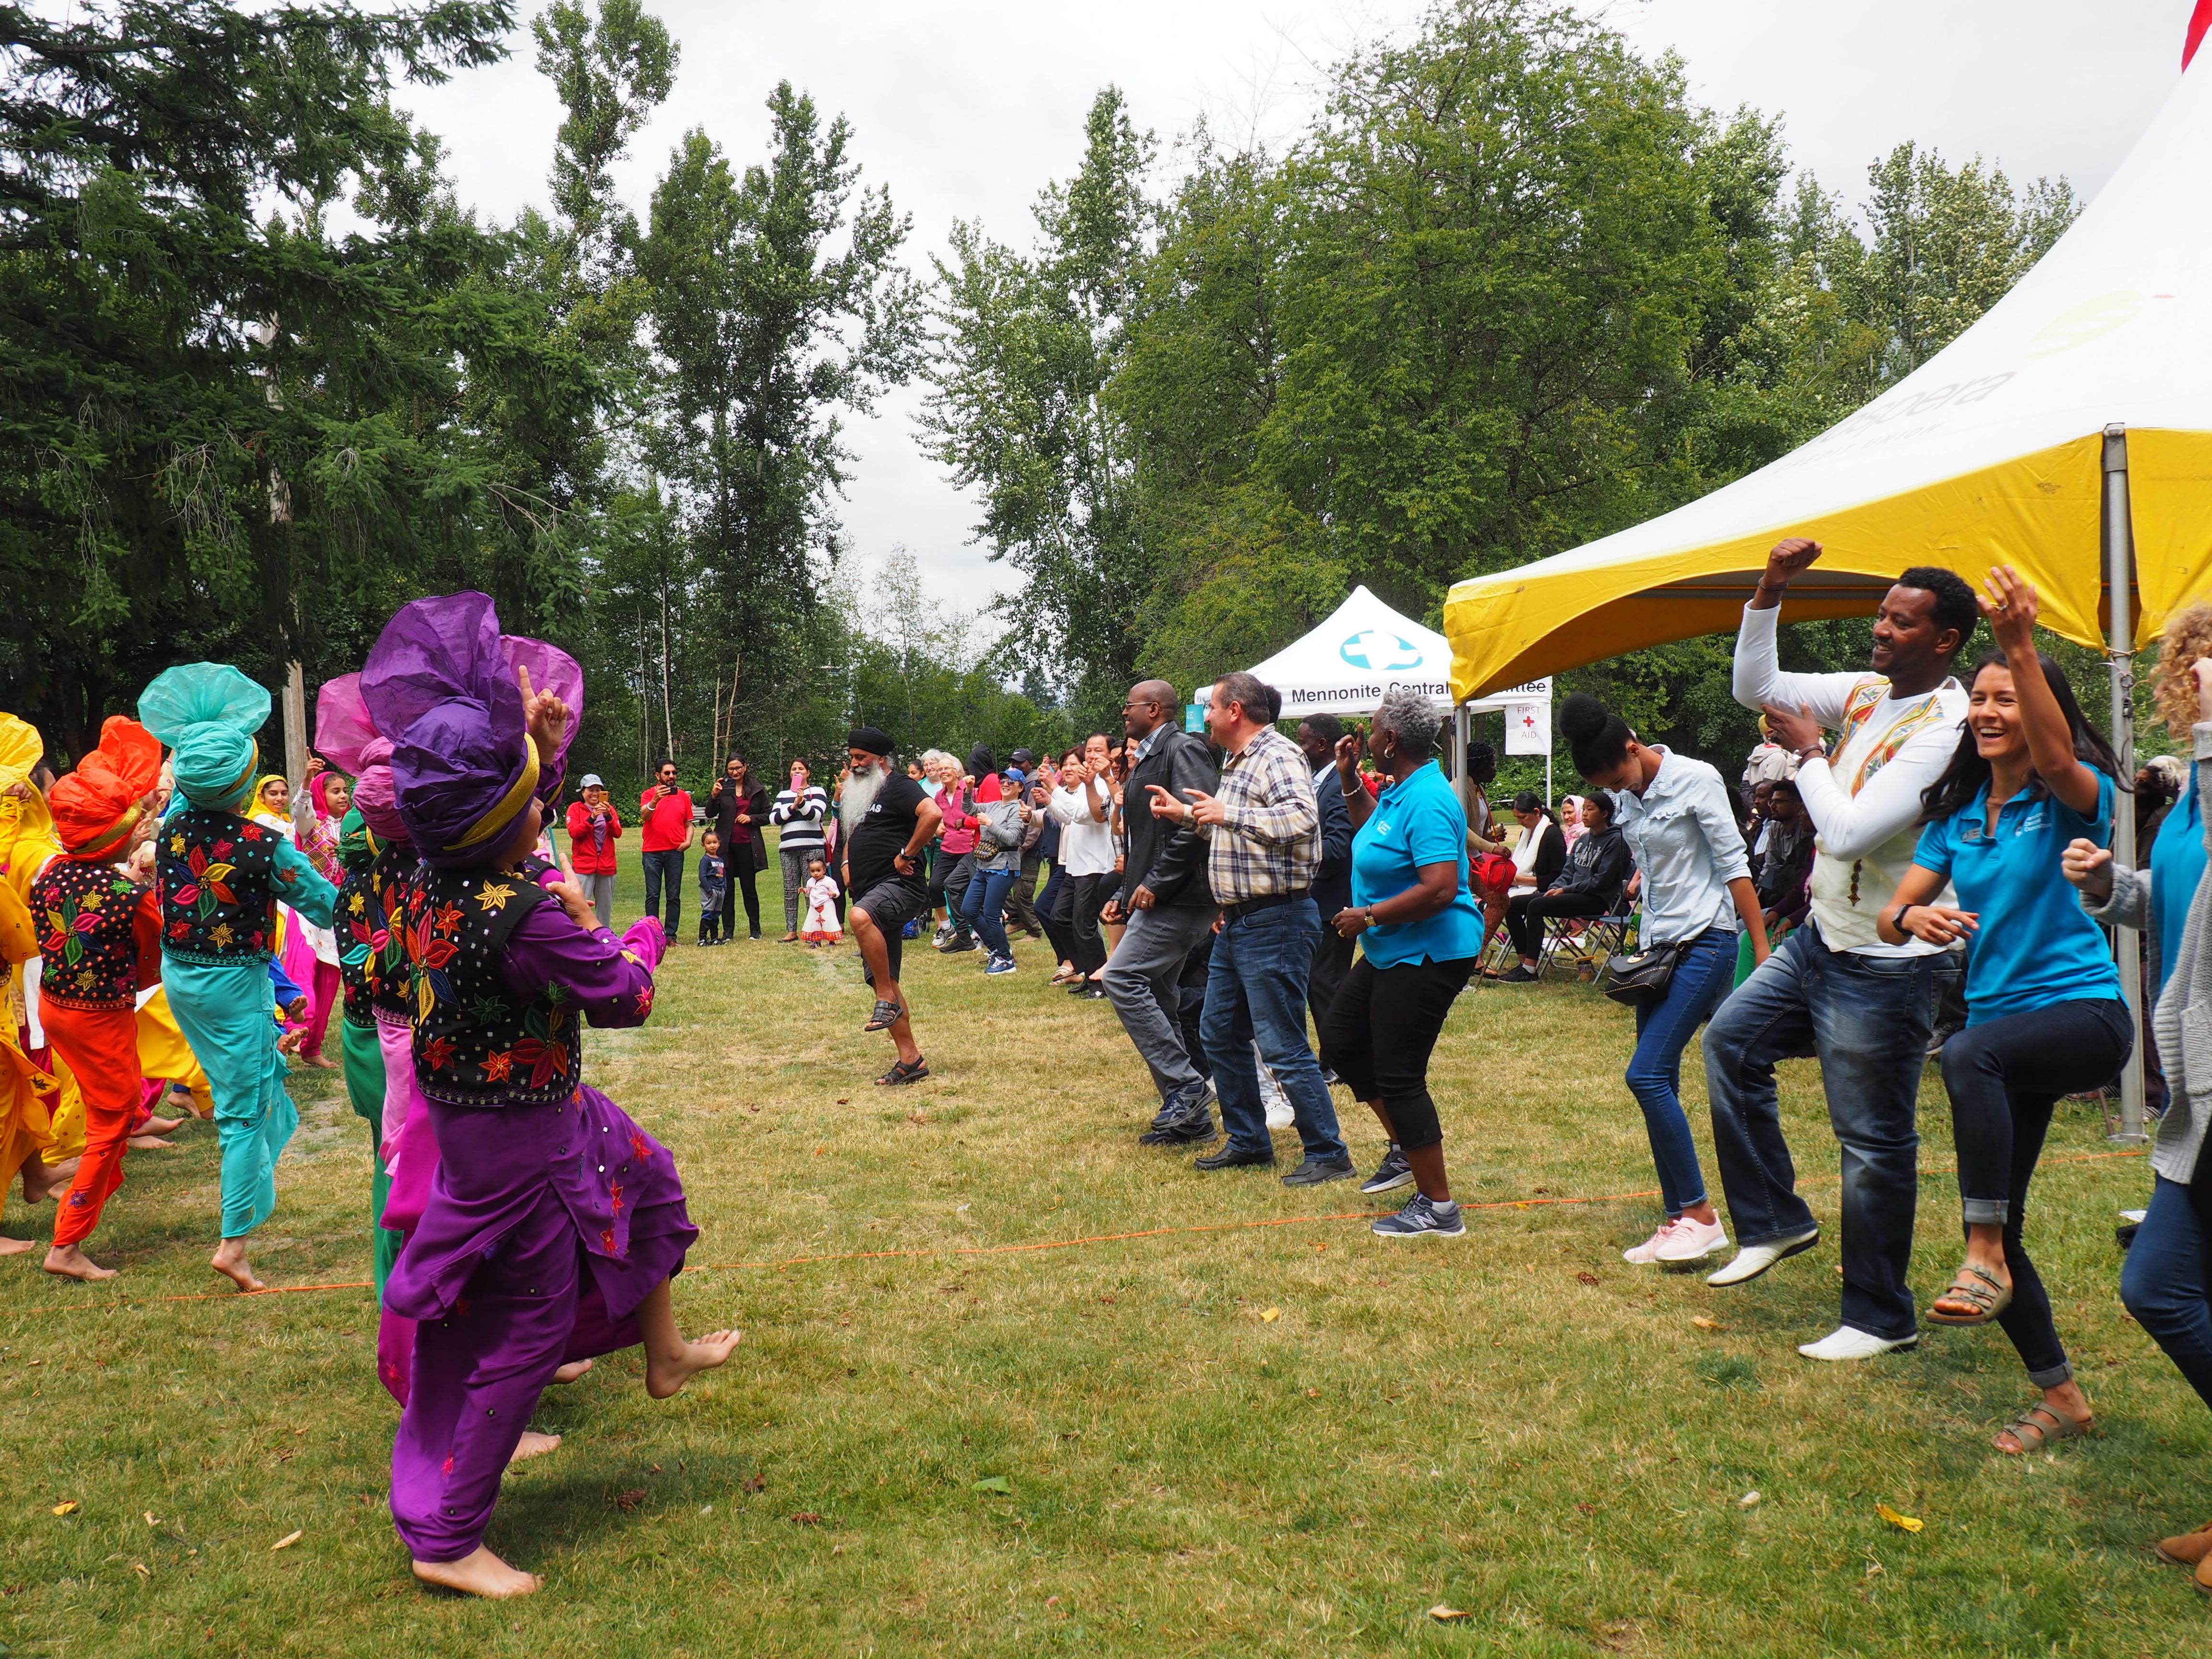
887 820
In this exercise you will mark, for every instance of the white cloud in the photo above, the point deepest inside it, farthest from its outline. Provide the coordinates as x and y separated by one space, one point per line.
965 109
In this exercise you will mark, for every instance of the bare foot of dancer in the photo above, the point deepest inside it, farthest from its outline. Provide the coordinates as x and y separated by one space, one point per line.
318 1060
160 1125
70 1262
149 1143
230 1261
479 1573
41 1180
666 1374
17 1246
290 1041
533 1445
572 1370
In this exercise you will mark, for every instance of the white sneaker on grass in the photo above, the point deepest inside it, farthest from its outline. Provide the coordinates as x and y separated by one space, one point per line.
1753 1260
1845 1343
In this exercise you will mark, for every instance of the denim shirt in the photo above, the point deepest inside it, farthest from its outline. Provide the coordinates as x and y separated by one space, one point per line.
1688 846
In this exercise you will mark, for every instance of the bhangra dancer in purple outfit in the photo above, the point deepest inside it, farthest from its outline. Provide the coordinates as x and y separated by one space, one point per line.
554 1222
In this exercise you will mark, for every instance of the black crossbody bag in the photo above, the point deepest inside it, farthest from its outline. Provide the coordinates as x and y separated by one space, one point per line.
1642 979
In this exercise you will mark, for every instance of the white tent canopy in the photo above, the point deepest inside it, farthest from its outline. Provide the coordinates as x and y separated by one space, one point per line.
1364 651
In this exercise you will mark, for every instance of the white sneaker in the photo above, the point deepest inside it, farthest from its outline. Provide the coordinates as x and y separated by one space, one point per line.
1647 1252
1692 1240
1845 1343
1753 1260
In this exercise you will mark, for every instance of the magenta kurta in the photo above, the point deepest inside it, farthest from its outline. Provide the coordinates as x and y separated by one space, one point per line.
546 1227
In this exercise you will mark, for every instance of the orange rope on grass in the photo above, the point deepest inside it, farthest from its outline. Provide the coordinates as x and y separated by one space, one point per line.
1017 1249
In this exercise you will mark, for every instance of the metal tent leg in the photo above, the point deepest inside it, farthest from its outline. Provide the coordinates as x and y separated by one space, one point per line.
2119 574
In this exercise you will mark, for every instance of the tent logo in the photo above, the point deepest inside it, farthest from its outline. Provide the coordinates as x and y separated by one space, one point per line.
1380 652
2091 320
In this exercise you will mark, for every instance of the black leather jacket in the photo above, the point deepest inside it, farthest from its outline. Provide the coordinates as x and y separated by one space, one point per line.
1166 857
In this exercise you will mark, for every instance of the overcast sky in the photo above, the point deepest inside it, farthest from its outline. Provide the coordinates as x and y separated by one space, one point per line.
965 108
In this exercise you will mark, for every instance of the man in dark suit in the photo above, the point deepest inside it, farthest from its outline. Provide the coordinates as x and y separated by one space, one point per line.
1169 907
1332 884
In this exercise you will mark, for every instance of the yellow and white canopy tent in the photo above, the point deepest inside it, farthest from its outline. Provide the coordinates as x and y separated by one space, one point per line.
2069 432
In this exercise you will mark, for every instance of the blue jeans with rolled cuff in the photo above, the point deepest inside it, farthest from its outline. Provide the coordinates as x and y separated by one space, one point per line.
1663 1030
1255 990
1868 1018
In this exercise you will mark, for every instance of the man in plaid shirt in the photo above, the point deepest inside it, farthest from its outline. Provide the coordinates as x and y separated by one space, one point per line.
1262 832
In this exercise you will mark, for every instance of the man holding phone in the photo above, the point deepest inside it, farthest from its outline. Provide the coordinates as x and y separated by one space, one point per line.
666 814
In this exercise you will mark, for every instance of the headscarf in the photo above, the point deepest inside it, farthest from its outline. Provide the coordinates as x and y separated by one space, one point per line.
261 787
345 732
26 829
442 681
208 711
95 806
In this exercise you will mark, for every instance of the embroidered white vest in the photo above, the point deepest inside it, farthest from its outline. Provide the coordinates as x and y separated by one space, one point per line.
1848 894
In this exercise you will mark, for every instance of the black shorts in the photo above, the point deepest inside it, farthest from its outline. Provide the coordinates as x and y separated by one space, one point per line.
891 905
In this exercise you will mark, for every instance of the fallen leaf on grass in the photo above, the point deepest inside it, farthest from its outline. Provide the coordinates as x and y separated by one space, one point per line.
1444 1615
1271 1316
997 1483
287 1541
1902 1522
807 1518
1748 1501
141 1570
755 1483
152 1519
67 1506
1584 1278
630 1499
1705 1324
844 1100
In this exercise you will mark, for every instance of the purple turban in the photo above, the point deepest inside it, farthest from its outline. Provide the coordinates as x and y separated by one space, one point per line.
345 733
441 682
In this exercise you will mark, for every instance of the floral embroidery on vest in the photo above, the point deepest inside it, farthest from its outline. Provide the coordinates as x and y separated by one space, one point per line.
475 1043
86 917
217 876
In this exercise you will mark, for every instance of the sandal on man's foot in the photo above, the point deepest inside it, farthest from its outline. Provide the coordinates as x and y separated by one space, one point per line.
904 1071
887 1015
1979 1290
2038 1426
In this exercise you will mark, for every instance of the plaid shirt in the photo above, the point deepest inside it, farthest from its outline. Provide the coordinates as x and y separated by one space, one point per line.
1270 840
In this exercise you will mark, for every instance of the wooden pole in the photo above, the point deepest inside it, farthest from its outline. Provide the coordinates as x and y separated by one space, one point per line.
295 731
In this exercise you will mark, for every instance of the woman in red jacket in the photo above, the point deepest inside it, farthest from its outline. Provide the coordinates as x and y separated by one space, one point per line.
594 827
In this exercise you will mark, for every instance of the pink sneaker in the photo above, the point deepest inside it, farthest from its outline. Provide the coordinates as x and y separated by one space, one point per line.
1681 1239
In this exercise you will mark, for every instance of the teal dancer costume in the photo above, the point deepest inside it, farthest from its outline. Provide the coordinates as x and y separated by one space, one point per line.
221 876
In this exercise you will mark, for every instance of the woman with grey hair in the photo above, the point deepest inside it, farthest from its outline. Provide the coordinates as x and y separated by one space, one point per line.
1418 934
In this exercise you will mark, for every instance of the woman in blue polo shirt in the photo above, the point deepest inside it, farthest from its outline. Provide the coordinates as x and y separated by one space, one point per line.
2044 1014
1419 933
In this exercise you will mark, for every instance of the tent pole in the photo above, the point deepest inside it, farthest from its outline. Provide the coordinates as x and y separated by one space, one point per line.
1462 731
2119 574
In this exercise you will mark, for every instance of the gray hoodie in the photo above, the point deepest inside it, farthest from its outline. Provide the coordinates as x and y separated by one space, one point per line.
2183 1021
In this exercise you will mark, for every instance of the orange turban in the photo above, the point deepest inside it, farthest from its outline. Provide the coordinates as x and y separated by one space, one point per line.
95 806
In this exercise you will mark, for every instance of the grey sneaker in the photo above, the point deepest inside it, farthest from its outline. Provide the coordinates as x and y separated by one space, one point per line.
1421 1218
1392 1173
1315 1172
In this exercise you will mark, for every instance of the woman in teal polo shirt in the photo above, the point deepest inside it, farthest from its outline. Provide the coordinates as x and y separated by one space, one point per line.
1420 934
2044 1014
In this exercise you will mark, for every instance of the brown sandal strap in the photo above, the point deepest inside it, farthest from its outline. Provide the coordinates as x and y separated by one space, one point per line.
1983 1297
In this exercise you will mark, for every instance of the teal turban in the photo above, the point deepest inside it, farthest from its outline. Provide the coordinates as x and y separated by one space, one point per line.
208 711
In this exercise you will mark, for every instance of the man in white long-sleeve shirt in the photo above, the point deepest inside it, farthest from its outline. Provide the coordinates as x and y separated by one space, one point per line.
1863 1007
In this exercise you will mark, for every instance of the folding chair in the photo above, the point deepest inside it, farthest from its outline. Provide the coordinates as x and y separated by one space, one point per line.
1609 934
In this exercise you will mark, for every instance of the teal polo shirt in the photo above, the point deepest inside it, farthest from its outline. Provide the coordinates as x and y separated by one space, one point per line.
1416 821
2035 944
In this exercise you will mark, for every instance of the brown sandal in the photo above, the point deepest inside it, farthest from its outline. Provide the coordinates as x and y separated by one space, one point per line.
2029 1430
1989 1299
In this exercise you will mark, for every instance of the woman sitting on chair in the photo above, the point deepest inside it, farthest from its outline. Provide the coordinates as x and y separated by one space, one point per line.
1598 867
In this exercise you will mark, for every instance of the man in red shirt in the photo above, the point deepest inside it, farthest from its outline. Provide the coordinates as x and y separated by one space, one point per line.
665 814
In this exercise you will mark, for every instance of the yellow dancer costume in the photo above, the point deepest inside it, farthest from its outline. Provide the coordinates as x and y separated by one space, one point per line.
40 1116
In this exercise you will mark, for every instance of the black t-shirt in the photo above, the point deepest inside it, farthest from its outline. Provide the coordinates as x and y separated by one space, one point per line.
883 833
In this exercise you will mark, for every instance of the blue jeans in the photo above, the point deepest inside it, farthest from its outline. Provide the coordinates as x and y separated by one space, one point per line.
666 867
1868 1019
1663 1030
1255 989
982 908
2163 1283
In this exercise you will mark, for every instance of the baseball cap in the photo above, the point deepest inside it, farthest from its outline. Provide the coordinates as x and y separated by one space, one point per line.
592 781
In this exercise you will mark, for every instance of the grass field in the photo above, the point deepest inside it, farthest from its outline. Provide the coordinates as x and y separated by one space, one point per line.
1516 1424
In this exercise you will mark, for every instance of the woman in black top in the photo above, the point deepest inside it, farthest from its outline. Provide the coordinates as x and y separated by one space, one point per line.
740 808
1587 883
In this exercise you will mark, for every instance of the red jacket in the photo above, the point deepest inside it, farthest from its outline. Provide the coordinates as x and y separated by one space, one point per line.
587 859
668 822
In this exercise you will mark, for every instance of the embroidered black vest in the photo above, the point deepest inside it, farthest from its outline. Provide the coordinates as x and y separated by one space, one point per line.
84 913
475 1043
372 936
218 880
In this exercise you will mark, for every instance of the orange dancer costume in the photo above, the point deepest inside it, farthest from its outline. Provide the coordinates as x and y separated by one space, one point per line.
100 934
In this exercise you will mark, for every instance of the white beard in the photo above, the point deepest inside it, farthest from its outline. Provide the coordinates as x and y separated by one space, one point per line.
861 792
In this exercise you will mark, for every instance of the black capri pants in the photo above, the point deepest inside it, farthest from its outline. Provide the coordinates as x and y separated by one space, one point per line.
1380 1032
